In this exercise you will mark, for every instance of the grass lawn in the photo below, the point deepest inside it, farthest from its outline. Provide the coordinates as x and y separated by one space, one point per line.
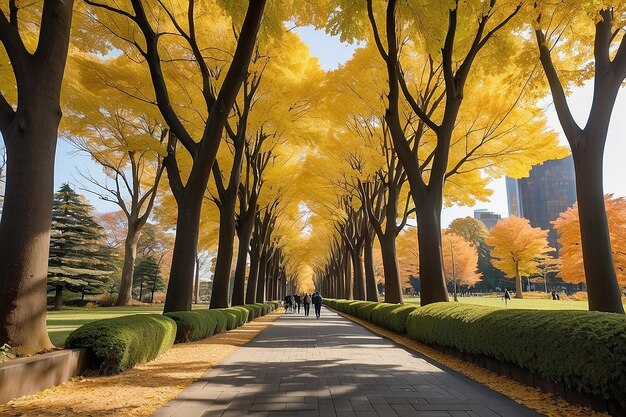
536 304
62 322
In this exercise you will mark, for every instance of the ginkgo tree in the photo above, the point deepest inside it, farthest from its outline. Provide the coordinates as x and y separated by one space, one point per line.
124 136
517 249
35 42
171 43
579 41
438 60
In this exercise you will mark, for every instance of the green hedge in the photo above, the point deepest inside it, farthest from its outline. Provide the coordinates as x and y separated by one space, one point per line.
194 325
274 305
242 314
583 350
120 343
365 312
253 312
397 318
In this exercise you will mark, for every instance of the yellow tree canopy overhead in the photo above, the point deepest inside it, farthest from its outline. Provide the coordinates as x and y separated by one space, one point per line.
517 246
568 228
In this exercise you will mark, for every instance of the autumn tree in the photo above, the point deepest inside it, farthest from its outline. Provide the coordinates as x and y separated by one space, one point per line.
438 60
571 251
595 32
460 261
125 137
35 39
475 231
517 248
170 40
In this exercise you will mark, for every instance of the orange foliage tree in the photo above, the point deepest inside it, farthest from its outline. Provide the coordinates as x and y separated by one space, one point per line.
517 249
460 258
568 228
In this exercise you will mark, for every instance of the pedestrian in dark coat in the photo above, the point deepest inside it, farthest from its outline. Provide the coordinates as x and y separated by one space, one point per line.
317 302
298 301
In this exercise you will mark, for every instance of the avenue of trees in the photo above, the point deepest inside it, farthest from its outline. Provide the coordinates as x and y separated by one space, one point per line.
216 129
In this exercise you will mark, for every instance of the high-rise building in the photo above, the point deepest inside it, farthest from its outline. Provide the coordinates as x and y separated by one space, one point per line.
549 190
489 218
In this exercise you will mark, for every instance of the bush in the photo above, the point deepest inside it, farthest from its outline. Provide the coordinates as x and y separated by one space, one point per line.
265 308
253 313
120 343
583 350
106 300
232 318
365 312
397 317
342 305
354 306
275 305
242 314
193 325
381 312
222 320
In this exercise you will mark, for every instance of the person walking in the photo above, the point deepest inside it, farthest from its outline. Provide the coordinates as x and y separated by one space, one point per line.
317 302
307 304
507 296
298 301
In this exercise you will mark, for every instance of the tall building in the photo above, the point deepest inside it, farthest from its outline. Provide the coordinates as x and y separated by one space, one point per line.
549 190
489 218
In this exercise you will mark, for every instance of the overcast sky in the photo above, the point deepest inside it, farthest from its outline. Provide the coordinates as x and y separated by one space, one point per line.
332 53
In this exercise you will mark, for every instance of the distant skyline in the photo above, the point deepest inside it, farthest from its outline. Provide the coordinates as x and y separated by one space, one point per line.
331 53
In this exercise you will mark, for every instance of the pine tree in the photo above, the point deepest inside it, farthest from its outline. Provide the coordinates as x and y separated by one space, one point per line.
147 276
78 261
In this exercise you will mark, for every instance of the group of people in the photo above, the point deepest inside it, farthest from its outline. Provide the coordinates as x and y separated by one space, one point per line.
293 303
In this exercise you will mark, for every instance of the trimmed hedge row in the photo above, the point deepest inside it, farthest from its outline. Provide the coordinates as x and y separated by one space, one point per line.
390 316
120 343
582 350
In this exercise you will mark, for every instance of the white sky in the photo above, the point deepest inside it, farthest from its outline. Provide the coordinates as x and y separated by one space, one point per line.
331 53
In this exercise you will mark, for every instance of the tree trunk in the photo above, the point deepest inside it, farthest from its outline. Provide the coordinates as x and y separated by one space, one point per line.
359 277
225 249
370 278
25 227
242 257
196 287
141 291
432 278
347 288
253 276
152 296
602 287
30 137
260 289
124 297
58 297
393 289
180 285
518 285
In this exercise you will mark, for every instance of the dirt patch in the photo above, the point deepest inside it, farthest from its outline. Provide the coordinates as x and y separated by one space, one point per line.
533 398
140 391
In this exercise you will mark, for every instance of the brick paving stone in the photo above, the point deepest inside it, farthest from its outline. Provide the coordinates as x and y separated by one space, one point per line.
332 367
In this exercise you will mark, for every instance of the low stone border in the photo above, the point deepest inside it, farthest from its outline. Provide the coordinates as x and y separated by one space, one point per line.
25 376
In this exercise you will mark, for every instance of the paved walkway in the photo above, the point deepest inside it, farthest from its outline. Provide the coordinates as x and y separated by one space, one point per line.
331 367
